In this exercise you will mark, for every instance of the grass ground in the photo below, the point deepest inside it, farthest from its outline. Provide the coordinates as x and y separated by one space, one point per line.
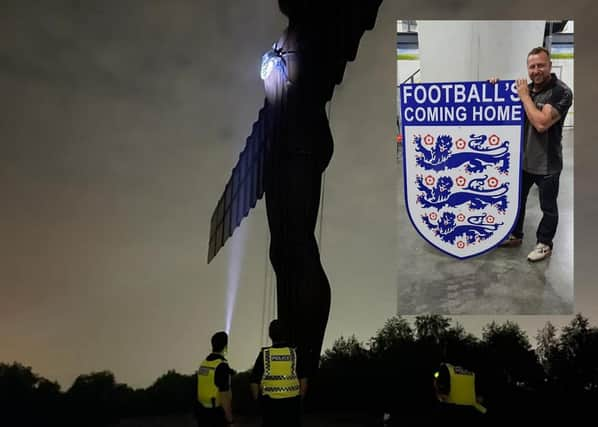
310 420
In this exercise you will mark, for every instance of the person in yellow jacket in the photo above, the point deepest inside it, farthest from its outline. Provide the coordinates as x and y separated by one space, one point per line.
456 394
214 396
278 380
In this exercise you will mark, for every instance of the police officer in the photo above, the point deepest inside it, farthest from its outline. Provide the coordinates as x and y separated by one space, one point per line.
278 377
455 391
214 395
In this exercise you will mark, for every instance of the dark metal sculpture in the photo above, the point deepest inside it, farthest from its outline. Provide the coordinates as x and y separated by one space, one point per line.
286 153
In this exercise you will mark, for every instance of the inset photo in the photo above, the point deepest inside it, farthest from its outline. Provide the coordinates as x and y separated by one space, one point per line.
485 123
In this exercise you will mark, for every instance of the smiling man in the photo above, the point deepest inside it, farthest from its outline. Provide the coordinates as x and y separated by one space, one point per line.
546 101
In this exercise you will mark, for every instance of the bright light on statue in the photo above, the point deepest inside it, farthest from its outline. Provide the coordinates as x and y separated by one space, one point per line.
270 60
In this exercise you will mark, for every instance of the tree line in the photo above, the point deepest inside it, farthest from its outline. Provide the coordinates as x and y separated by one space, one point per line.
391 373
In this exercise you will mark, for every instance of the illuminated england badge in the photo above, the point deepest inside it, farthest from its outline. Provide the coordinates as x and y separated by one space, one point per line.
462 162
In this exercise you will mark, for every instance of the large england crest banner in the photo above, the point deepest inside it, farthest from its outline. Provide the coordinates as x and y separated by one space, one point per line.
461 162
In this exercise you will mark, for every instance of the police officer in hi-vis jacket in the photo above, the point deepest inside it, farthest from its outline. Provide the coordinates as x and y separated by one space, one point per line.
214 396
278 380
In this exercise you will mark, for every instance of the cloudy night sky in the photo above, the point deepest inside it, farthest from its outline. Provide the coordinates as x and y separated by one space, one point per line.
119 124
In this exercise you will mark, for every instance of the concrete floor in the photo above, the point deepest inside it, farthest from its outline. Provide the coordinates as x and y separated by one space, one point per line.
500 281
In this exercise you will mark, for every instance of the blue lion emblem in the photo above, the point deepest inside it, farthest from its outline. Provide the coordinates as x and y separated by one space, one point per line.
475 194
440 157
474 231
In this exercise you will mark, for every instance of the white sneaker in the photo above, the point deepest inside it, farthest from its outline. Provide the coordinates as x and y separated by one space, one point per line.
540 252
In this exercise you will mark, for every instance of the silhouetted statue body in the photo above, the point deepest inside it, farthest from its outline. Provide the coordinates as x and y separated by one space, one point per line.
316 45
286 154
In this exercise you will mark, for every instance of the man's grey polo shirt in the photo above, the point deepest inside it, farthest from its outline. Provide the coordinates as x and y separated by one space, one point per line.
543 152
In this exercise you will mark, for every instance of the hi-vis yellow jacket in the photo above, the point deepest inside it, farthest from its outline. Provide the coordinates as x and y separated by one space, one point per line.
462 387
280 373
207 392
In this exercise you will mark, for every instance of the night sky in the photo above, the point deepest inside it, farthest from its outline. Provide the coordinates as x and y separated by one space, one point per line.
119 124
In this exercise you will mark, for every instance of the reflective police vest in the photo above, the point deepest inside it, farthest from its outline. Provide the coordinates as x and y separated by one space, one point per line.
462 387
280 374
207 392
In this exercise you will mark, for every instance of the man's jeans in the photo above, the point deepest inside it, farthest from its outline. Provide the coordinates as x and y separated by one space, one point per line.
548 190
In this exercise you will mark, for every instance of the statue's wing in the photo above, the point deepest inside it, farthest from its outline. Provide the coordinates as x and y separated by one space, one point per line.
243 189
342 24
